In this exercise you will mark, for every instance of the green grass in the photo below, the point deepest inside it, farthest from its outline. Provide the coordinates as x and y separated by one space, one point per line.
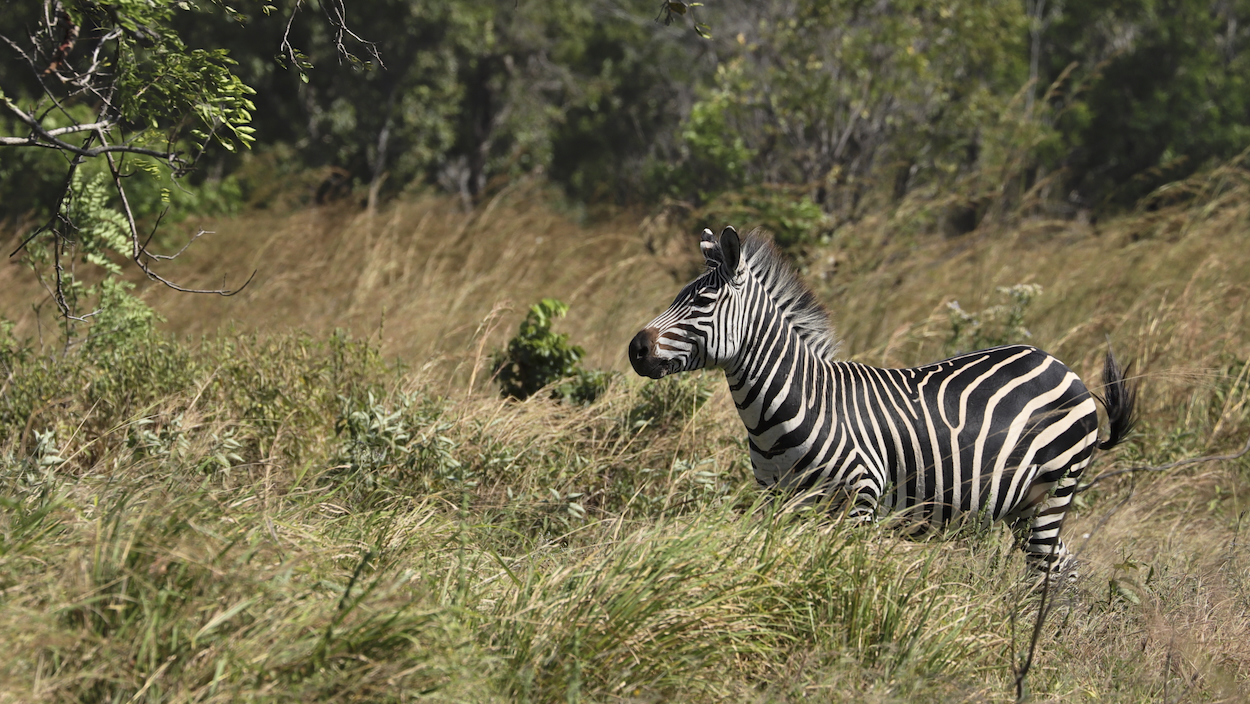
460 548
292 516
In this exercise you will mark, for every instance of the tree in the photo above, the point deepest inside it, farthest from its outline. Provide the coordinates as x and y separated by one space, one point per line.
844 98
101 91
1167 92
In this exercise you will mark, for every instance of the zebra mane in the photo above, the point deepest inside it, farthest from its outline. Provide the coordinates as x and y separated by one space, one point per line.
795 300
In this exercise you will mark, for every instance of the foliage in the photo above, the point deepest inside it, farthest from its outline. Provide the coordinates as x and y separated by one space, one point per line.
161 89
536 356
162 93
98 234
1002 105
100 81
834 104
122 320
585 386
155 194
671 401
712 158
99 230
470 93
392 449
1001 324
786 212
788 108
1165 92
832 96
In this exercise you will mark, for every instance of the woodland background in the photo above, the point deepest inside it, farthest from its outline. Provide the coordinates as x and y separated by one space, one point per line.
408 459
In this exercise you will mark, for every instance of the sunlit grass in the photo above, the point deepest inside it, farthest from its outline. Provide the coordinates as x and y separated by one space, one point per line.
294 516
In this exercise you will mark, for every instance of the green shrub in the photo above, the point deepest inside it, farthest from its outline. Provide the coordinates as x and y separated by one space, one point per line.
669 401
393 449
538 356
713 158
585 386
788 212
1002 324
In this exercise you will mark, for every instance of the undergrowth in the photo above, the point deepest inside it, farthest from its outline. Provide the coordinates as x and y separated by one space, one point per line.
291 518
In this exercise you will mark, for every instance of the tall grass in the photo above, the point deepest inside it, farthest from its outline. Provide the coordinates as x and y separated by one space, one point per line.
275 515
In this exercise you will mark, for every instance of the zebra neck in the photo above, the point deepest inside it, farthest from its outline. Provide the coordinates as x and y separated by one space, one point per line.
780 387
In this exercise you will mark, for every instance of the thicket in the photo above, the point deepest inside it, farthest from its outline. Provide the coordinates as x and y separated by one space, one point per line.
794 113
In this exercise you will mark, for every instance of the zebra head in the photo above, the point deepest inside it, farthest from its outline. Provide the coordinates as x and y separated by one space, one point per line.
691 334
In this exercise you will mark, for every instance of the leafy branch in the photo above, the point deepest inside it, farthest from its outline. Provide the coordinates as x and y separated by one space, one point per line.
670 10
118 73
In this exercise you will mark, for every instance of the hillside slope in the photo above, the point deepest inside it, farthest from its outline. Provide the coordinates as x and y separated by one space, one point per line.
282 515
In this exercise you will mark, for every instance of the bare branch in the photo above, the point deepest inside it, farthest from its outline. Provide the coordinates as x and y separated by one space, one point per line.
1165 467
58 293
336 14
39 77
155 227
32 142
172 158
139 250
17 49
175 255
167 257
56 212
285 45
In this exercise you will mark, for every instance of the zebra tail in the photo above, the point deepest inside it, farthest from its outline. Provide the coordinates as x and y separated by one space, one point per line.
1120 399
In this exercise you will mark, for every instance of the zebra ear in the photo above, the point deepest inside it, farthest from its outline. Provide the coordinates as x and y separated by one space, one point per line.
710 248
731 248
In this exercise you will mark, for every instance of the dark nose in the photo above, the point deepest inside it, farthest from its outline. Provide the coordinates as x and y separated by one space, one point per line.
640 353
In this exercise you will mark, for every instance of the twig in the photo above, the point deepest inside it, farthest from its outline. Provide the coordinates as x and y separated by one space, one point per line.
1043 610
1165 467
175 255
98 128
336 15
30 141
56 212
285 45
138 250
155 227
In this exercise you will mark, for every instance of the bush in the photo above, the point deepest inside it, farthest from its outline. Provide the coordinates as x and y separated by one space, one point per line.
537 356
787 212
670 401
997 325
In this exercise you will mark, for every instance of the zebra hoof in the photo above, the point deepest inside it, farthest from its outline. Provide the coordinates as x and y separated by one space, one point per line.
1065 573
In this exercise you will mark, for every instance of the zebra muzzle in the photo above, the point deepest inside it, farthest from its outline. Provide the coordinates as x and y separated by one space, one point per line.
642 355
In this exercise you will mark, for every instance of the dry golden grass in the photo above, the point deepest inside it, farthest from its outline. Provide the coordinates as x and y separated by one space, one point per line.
420 276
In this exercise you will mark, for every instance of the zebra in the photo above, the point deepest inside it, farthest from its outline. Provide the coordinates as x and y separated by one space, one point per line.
1001 433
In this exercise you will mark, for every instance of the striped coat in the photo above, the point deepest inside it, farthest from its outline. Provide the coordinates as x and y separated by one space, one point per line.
1003 433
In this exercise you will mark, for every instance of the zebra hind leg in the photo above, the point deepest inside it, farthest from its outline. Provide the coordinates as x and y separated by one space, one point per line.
864 495
1045 551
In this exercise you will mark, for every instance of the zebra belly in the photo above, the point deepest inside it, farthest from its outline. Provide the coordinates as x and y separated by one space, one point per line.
988 433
